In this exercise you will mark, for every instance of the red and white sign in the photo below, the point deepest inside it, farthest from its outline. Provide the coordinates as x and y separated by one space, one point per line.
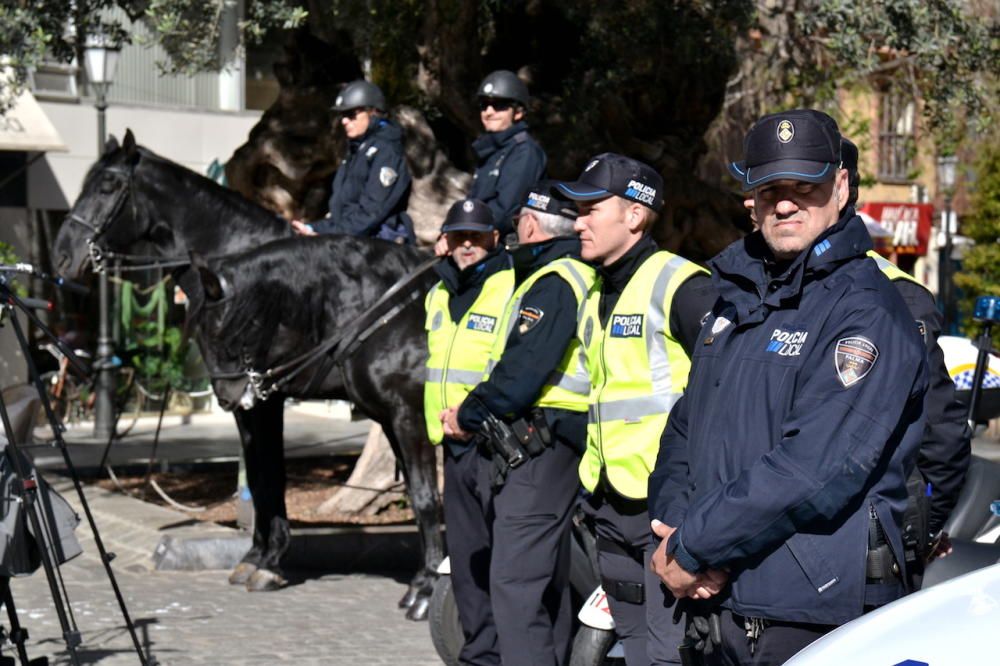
910 225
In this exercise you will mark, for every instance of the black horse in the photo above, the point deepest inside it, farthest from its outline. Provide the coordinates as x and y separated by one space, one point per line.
135 200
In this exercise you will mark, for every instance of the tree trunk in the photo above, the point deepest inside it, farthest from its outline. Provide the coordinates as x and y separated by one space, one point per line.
365 492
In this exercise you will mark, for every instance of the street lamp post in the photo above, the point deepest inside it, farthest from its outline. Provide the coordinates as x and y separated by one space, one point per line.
946 168
100 60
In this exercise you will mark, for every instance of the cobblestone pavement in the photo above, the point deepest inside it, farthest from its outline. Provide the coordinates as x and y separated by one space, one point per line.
198 618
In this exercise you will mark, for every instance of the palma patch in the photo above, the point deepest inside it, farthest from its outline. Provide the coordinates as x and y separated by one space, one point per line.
854 358
528 318
482 323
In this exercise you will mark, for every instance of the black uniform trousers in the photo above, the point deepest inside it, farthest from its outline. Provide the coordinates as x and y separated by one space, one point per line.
510 552
777 642
647 630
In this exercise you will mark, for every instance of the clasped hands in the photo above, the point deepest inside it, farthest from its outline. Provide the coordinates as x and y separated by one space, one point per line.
682 583
449 422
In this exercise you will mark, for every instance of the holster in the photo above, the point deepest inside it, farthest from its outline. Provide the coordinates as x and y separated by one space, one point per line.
917 542
510 446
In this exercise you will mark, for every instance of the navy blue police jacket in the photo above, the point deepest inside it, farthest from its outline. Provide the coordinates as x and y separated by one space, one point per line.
371 188
803 413
509 162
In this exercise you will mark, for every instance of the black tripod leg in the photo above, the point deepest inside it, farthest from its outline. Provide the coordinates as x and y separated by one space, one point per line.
71 636
18 636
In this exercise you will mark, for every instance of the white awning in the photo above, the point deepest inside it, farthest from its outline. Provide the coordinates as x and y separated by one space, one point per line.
26 128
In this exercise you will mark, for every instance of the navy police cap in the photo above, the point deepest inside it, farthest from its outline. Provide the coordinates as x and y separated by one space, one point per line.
468 215
612 174
802 144
544 197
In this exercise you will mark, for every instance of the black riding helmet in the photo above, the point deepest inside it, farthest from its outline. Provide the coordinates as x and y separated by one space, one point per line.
359 94
504 84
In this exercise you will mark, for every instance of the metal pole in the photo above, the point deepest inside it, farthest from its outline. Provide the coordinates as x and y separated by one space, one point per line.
948 287
104 409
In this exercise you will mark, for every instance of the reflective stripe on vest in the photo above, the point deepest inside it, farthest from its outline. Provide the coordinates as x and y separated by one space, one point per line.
638 371
458 353
568 387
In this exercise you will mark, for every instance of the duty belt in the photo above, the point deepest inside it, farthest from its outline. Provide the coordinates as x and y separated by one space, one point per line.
510 446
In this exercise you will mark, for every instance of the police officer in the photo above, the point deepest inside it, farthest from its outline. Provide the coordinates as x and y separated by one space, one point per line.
509 160
372 186
639 327
945 453
537 387
464 310
783 467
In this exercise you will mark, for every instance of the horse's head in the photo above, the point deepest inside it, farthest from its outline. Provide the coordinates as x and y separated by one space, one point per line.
242 315
106 215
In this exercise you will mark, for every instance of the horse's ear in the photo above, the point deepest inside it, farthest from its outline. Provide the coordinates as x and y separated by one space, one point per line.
128 143
111 145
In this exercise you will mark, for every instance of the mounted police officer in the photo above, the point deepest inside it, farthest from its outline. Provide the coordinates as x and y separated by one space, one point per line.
372 186
509 160
530 415
640 323
464 311
782 469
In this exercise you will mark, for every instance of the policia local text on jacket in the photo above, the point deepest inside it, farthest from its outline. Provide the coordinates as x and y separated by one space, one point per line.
464 311
524 524
509 162
647 300
801 419
371 188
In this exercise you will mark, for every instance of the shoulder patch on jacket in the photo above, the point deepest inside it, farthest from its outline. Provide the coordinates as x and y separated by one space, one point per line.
527 319
387 176
854 358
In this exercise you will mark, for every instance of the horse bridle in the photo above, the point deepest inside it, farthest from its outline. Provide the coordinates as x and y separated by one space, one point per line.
98 229
263 384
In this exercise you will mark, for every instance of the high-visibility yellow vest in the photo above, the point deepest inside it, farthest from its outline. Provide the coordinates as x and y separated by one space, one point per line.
568 387
891 270
638 370
459 352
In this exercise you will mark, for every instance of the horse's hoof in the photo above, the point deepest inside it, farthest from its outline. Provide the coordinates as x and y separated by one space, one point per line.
241 574
263 580
420 608
409 598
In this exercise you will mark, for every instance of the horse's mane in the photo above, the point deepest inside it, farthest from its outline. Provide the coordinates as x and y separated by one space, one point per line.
310 285
229 203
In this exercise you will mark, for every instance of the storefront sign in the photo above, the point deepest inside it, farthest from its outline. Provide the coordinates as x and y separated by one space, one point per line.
910 225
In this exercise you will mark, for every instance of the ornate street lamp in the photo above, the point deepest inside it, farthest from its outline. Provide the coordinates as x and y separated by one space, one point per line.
947 166
100 59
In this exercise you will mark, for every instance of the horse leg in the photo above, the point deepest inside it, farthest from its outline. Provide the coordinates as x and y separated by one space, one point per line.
420 470
261 431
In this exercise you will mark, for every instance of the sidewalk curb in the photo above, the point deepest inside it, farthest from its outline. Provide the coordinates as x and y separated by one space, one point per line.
361 548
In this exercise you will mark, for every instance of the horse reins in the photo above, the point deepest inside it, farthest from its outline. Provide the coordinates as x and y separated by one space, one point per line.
265 383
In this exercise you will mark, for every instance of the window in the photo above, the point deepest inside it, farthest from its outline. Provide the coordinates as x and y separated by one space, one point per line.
896 144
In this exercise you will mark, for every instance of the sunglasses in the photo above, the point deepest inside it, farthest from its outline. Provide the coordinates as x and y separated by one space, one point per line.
497 104
352 114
